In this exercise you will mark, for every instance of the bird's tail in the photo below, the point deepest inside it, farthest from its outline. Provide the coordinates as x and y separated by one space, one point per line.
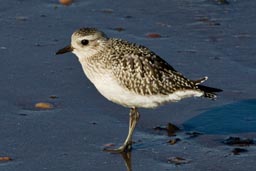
209 92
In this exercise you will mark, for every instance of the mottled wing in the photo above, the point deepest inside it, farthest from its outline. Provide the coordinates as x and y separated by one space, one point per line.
143 72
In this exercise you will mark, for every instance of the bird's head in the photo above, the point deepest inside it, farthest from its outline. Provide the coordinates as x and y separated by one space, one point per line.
85 42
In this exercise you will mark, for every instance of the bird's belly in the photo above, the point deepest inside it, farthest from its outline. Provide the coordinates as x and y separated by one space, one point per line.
114 92
109 87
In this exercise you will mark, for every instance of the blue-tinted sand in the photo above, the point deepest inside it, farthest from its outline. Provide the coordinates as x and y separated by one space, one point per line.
234 118
198 38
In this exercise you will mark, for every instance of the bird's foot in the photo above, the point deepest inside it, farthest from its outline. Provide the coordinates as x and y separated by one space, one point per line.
125 148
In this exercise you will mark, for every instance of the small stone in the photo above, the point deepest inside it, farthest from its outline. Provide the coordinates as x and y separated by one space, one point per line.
237 151
238 141
5 158
153 35
93 123
66 2
43 105
177 160
53 97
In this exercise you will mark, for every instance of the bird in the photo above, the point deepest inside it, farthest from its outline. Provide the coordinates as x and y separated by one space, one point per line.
131 75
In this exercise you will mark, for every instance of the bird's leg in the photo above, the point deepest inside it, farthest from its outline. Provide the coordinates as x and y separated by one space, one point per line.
134 117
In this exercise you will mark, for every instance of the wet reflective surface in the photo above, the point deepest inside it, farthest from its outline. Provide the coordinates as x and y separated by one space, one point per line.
197 38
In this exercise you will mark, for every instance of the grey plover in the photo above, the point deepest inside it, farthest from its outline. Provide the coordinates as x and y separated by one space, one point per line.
131 75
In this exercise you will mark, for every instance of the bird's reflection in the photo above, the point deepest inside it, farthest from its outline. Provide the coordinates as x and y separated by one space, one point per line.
127 156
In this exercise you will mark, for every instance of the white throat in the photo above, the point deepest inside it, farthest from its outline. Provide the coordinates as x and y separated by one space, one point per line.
87 52
83 54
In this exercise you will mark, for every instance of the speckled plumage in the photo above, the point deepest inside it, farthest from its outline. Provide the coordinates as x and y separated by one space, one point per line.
130 74
143 72
135 67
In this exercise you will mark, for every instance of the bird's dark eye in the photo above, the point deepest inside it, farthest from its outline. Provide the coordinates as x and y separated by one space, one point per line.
85 42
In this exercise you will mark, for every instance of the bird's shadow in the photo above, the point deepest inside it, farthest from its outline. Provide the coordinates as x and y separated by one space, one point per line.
234 118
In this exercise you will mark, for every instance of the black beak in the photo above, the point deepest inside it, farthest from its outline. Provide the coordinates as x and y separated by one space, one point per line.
66 49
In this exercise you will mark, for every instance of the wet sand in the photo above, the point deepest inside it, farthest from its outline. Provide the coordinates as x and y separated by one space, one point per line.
197 38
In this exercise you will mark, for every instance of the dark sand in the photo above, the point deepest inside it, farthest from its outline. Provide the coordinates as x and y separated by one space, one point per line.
198 38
